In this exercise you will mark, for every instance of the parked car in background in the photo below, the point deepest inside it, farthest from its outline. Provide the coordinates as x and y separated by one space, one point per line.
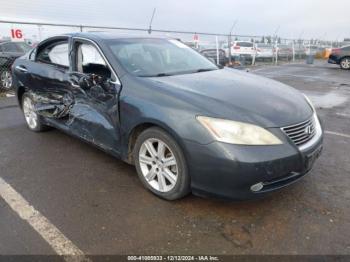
243 49
264 52
212 54
9 51
312 49
300 51
340 56
193 45
284 51
185 123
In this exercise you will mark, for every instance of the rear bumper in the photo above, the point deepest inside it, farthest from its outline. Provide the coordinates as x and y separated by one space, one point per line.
229 171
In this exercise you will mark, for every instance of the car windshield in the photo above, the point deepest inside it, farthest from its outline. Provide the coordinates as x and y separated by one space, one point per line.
203 47
158 57
264 46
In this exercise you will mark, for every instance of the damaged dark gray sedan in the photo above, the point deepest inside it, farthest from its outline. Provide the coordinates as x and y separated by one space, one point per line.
186 124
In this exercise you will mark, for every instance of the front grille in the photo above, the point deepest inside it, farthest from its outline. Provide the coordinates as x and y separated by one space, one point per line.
301 133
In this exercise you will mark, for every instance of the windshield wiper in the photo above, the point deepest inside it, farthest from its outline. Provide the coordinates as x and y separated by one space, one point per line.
157 75
205 70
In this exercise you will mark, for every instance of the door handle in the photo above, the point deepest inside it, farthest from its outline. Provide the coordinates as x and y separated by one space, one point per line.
22 69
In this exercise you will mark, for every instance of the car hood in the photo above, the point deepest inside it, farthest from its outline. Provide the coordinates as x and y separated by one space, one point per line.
239 96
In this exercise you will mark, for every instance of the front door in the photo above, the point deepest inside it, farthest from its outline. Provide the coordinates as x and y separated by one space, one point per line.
95 115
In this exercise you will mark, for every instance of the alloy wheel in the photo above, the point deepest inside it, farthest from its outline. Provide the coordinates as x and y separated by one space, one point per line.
158 165
29 113
6 80
345 63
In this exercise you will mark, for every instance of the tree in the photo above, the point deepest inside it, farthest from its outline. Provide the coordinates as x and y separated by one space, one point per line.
268 39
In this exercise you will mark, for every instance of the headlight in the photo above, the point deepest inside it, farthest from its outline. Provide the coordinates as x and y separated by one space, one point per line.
309 102
233 132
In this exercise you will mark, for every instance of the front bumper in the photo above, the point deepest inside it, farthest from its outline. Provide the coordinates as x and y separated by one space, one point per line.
333 59
229 171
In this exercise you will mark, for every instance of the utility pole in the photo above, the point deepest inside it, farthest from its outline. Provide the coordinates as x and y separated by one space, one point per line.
300 43
150 23
40 32
230 41
276 46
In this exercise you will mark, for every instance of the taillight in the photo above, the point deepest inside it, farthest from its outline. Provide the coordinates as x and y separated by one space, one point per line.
237 47
336 51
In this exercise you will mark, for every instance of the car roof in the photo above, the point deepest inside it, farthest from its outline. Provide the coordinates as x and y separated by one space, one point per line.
4 42
243 41
8 41
100 35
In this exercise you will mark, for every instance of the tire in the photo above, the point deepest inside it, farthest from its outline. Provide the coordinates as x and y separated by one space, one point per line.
5 79
157 165
345 63
36 124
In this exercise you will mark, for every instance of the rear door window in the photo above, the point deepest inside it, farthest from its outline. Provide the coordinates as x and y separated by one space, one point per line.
56 54
245 44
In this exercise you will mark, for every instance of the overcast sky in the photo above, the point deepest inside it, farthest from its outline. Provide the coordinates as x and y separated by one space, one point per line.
324 19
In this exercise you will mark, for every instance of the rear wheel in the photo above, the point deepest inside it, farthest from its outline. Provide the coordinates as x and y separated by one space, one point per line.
345 63
161 165
34 121
5 80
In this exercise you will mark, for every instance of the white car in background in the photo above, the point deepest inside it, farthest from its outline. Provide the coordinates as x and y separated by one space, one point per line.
264 51
244 49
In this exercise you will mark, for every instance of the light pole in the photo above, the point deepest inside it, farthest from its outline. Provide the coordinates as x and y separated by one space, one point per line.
229 42
276 46
150 23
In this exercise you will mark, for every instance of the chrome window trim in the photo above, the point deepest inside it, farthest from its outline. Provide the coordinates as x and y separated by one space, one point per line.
117 80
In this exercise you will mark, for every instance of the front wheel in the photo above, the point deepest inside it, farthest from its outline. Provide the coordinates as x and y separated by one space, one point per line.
345 63
161 165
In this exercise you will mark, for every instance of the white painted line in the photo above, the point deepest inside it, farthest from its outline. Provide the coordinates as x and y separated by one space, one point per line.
337 134
52 235
276 74
343 114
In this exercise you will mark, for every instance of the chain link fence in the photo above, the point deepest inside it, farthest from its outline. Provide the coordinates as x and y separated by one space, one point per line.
239 51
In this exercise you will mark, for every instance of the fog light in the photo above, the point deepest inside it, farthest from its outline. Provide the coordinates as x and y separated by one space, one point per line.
257 187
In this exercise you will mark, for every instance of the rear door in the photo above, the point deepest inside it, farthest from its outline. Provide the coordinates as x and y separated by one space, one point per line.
49 76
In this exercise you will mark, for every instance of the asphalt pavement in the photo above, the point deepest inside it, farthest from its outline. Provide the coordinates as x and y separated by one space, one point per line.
97 202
